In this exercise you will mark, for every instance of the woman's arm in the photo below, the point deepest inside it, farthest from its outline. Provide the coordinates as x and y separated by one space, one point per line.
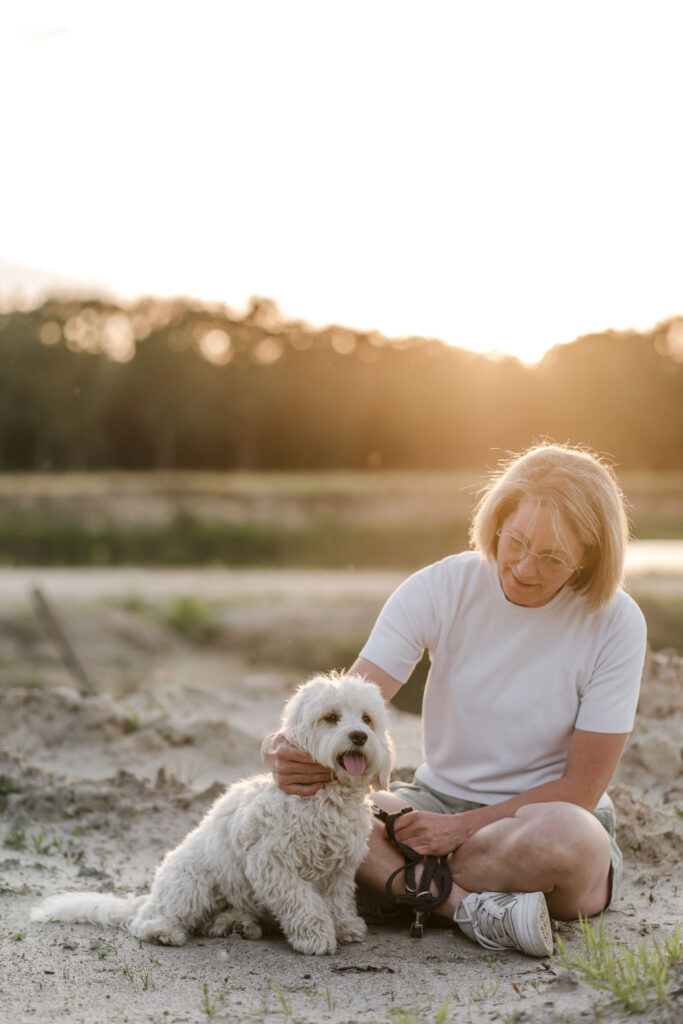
374 674
592 760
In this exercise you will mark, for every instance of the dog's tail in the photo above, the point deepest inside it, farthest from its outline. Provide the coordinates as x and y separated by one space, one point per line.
87 908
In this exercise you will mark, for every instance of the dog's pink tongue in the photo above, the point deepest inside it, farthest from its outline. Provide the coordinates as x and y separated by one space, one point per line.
354 763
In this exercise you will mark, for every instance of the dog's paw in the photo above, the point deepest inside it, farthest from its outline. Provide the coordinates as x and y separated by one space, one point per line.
230 922
248 929
165 933
352 930
171 937
319 944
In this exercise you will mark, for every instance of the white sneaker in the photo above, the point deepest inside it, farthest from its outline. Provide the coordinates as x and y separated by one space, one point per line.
507 920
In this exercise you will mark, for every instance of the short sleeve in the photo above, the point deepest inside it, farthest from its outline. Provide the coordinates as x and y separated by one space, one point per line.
405 626
610 698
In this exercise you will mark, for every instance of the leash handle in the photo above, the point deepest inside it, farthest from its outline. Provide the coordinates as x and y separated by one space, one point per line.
435 870
389 817
386 816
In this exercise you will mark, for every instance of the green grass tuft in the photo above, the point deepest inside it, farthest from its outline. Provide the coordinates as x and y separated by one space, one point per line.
637 977
15 840
194 618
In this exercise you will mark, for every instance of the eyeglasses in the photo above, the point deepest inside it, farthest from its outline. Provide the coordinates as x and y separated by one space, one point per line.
515 548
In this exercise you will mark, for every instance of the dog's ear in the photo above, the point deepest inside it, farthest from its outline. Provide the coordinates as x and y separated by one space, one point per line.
386 763
293 717
301 712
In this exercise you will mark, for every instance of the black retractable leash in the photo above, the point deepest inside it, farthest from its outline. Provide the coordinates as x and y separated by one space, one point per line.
435 870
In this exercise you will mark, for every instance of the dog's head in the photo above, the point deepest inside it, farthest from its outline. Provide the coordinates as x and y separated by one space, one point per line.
341 721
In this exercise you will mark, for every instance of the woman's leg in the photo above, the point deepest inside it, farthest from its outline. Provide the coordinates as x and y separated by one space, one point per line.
557 848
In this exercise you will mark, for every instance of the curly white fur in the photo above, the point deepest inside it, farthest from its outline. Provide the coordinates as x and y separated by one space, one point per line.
260 853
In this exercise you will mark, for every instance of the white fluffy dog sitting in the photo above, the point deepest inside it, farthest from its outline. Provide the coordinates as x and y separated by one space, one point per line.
260 853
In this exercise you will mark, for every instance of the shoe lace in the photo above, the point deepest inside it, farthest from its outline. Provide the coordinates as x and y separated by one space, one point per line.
488 920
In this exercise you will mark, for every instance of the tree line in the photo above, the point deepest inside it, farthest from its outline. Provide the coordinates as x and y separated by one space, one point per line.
88 384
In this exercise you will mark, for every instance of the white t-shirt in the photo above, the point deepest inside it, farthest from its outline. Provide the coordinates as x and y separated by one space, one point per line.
507 684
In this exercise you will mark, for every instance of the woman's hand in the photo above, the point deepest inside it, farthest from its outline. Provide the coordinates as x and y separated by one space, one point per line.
294 770
436 834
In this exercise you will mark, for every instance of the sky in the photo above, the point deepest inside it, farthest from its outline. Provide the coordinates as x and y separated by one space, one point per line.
502 175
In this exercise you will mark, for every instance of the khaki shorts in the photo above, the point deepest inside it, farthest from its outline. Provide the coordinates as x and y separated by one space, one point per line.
423 798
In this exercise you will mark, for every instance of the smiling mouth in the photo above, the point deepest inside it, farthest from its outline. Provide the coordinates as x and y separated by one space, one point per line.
521 583
352 762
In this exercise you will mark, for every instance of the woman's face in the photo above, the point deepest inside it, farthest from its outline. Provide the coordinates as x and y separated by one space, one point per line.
527 532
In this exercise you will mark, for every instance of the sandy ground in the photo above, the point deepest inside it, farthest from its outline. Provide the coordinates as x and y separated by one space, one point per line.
95 788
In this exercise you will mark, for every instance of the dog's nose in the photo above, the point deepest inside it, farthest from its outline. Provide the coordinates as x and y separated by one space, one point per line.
358 738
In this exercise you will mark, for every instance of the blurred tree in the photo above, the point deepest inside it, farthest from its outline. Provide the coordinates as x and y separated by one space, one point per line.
171 384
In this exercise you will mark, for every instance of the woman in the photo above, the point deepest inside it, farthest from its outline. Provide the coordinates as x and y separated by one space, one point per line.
536 657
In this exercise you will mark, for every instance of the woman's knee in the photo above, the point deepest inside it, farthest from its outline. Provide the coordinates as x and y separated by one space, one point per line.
562 832
558 848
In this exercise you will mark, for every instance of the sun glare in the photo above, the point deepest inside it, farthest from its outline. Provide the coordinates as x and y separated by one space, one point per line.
460 182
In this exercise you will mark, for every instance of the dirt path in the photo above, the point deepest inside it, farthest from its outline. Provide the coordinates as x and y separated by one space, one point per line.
79 584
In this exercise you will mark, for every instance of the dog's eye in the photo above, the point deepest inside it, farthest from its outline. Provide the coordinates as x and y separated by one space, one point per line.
367 719
332 718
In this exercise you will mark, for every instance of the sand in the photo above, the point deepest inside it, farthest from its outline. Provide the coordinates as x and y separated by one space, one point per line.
94 788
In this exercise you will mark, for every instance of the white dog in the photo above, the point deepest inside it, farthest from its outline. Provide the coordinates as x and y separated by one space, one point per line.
260 853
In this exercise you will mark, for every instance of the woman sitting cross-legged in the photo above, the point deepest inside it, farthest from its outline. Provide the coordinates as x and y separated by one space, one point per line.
536 657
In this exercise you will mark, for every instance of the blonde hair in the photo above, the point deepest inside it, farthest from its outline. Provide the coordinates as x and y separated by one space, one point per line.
572 482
